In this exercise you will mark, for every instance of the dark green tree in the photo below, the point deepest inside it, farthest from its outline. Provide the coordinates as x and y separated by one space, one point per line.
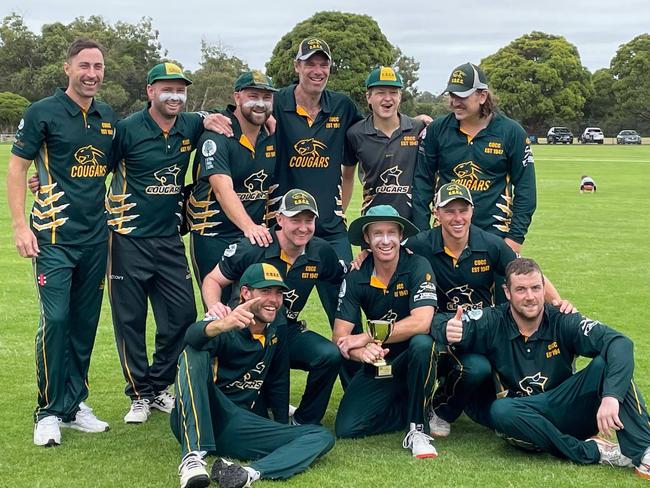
12 107
357 45
540 81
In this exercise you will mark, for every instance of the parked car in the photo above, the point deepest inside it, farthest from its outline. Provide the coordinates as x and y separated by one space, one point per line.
559 134
628 137
592 134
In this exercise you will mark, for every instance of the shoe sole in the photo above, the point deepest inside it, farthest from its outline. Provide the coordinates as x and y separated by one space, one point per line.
67 425
49 443
645 476
426 456
198 482
134 421
438 435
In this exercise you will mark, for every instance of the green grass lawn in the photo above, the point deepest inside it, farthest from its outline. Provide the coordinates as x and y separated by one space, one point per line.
594 248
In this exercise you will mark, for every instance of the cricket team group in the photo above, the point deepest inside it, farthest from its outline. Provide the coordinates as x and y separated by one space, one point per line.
436 316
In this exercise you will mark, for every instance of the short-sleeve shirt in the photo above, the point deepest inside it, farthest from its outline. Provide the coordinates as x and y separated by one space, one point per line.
317 263
144 199
411 286
386 164
466 280
252 170
310 152
71 150
496 165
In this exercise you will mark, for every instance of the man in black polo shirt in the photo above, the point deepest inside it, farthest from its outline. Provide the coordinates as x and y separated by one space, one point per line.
222 372
68 136
233 177
541 403
303 261
397 287
147 260
386 145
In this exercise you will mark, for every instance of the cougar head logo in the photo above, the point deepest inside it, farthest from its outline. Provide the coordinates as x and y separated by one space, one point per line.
389 316
391 174
167 176
309 147
461 295
255 181
468 169
533 384
88 154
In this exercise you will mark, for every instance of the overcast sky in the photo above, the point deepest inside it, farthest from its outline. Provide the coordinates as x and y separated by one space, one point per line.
437 36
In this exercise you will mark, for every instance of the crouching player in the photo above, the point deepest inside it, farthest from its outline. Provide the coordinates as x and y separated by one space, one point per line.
541 404
397 287
228 363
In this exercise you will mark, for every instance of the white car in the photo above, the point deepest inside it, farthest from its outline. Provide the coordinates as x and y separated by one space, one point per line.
592 134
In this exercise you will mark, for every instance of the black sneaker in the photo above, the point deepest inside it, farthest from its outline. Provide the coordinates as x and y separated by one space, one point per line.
230 475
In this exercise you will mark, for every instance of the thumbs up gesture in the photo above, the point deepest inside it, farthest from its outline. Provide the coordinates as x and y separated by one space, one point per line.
455 327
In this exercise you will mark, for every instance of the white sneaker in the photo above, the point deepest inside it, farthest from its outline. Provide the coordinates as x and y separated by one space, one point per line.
164 401
85 421
47 432
438 426
138 413
643 469
192 471
419 443
610 453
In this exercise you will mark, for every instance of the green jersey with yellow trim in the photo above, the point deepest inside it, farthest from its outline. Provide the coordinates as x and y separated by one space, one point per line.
71 150
496 165
317 263
466 280
144 199
386 164
539 363
310 152
252 170
244 363
411 286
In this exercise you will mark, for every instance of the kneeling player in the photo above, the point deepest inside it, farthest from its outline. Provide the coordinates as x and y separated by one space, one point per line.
396 287
542 404
227 365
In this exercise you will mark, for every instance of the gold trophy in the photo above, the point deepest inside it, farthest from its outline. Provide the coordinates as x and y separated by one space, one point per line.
380 331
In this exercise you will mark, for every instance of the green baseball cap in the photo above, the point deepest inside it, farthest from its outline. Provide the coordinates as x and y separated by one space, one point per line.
254 79
310 46
166 71
466 79
295 201
453 191
380 213
384 76
262 275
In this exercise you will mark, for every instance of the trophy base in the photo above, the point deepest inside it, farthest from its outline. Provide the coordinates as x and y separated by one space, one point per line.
382 370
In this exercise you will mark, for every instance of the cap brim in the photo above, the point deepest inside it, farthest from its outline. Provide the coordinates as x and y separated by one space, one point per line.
386 83
297 210
305 57
172 77
451 199
259 87
355 232
268 283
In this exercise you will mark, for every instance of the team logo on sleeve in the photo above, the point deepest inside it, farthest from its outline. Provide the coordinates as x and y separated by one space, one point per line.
528 156
533 384
290 298
343 289
586 324
90 163
309 154
21 124
209 148
167 179
426 291
469 175
390 180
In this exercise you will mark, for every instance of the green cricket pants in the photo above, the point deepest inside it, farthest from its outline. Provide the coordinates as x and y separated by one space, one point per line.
374 406
154 269
205 419
558 421
206 252
70 285
319 356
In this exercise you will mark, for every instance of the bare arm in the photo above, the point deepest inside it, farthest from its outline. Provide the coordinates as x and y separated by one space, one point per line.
213 284
349 345
223 189
347 185
417 322
24 238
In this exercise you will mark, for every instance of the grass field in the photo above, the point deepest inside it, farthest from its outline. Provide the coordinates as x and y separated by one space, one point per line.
594 247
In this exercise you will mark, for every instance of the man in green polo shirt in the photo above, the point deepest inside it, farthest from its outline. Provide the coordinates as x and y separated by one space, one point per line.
68 137
147 260
541 403
386 145
482 149
397 287
466 262
227 366
233 177
303 261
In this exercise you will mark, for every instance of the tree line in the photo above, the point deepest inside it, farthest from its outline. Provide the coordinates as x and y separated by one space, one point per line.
538 78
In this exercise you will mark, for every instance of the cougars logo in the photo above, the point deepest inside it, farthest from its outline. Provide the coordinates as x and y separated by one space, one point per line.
390 178
389 316
533 384
464 296
88 164
289 299
309 154
468 169
167 177
255 186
